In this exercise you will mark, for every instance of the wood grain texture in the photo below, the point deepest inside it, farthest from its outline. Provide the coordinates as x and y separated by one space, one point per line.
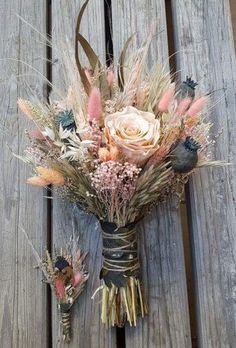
22 295
233 18
205 48
87 328
161 245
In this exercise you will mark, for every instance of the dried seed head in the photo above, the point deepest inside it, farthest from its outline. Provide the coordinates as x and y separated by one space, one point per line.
95 105
37 181
187 88
167 98
51 176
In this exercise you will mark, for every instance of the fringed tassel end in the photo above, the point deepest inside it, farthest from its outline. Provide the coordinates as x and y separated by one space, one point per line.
123 304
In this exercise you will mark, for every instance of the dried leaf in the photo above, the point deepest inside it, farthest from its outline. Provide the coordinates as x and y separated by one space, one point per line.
121 61
83 76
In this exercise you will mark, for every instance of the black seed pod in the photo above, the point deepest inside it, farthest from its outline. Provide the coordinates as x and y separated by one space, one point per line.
184 155
66 120
187 88
61 263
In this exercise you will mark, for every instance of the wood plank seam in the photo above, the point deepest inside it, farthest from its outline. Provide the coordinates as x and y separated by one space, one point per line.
206 47
184 216
67 218
120 332
49 192
22 298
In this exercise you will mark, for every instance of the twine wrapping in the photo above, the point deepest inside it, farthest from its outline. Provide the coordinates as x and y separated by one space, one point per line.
120 254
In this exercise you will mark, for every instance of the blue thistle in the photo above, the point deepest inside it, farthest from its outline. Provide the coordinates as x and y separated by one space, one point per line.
66 120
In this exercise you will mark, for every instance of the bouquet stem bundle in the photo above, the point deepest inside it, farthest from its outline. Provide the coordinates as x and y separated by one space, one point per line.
122 295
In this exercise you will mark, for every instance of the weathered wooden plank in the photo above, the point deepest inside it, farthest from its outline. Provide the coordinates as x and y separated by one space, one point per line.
205 50
161 245
87 327
22 296
233 17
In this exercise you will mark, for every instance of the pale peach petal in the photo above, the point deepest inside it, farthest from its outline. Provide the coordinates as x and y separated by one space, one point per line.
114 153
135 133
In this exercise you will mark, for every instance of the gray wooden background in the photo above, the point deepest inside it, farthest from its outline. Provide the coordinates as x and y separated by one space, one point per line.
188 255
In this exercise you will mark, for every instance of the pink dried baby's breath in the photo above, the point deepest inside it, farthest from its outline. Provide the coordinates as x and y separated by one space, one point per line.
113 177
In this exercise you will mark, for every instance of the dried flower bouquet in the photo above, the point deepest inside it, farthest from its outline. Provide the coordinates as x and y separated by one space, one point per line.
123 139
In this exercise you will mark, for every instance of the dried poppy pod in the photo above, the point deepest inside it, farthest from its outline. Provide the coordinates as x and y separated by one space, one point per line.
187 88
184 155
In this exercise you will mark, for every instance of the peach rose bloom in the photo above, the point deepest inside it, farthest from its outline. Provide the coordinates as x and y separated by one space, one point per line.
136 133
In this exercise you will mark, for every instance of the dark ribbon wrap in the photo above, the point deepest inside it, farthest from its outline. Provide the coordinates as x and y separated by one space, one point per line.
120 254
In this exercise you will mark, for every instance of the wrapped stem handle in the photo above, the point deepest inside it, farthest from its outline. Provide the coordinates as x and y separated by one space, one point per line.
122 295
120 254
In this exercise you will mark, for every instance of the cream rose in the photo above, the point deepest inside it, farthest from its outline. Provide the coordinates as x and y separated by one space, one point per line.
134 132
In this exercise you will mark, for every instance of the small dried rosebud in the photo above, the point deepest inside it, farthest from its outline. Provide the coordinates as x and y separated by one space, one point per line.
103 154
114 153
